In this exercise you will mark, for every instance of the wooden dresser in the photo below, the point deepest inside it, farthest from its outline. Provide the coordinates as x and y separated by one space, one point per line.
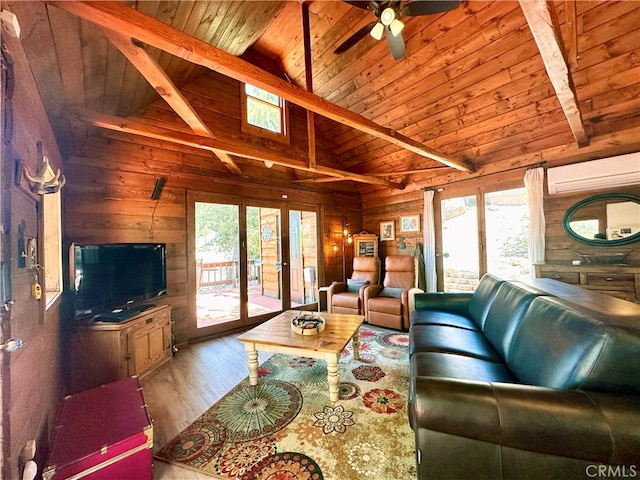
621 281
103 352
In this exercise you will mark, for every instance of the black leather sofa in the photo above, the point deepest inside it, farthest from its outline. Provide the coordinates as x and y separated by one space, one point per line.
512 383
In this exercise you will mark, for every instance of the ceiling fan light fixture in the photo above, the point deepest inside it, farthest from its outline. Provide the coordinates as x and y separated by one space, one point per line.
377 31
396 27
387 16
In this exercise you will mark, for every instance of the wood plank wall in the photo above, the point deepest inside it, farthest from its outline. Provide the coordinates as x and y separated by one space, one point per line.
31 375
110 180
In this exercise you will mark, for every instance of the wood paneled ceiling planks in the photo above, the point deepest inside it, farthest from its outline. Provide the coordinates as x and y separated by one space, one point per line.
473 86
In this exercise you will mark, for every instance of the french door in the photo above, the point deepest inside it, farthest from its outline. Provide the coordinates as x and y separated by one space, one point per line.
249 259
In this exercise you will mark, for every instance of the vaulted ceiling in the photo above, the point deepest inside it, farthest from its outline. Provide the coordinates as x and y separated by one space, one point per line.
487 86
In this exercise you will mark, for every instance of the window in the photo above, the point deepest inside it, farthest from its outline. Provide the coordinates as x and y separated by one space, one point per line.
52 244
484 232
264 114
507 233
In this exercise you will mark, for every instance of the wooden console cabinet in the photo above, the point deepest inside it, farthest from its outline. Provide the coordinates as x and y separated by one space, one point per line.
103 352
621 281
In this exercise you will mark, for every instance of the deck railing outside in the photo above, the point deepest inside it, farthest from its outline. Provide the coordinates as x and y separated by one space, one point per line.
210 274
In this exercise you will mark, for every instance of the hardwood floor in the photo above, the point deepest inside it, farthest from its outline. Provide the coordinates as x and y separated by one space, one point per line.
196 377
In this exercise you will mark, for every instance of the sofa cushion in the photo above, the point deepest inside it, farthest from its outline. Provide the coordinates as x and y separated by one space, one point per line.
354 286
507 311
483 298
444 338
436 317
448 365
561 347
388 305
399 271
391 292
346 300
449 302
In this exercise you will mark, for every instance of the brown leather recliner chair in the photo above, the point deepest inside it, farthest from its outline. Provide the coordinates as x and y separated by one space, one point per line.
349 297
387 305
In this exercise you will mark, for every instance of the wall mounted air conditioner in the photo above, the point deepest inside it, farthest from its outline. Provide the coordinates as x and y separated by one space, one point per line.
611 172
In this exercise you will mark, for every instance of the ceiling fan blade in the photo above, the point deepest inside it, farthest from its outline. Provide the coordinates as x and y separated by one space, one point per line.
355 38
420 7
364 4
396 44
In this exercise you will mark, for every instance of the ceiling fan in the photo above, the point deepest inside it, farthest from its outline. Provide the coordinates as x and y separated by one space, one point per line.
388 14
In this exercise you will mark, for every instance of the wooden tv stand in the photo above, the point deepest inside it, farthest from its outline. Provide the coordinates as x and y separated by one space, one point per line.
102 352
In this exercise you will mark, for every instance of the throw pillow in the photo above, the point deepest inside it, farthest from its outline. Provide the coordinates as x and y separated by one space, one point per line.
391 292
353 286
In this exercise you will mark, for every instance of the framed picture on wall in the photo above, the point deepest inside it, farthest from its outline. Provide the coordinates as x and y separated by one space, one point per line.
410 223
387 231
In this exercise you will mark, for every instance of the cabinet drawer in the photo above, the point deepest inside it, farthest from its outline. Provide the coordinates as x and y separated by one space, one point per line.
152 323
566 277
611 279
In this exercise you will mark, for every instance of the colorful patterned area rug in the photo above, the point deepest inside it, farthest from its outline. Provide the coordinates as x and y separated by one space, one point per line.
286 428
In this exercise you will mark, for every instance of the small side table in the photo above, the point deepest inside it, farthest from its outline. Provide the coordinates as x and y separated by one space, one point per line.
322 299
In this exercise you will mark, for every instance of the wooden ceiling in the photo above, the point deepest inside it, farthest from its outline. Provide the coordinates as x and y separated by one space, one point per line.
481 88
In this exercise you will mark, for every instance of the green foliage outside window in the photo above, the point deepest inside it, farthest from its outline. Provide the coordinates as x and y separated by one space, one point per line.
217 230
264 109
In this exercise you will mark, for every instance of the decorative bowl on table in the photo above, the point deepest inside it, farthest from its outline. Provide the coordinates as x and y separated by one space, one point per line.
307 324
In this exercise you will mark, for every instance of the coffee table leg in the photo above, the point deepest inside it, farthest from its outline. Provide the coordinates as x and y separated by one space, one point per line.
332 375
355 342
252 354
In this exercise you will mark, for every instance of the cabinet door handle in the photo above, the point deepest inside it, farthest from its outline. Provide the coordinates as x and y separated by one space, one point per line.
609 279
148 320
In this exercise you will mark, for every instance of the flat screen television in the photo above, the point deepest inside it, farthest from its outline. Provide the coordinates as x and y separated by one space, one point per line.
113 277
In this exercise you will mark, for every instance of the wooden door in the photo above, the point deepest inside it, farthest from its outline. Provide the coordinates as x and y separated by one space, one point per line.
295 258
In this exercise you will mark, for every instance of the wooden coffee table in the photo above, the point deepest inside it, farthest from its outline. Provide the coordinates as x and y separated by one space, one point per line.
275 335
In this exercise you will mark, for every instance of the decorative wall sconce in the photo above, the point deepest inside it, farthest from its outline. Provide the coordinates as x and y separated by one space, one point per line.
44 181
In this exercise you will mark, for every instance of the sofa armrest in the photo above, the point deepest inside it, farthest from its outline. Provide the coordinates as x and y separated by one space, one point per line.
450 302
411 294
369 292
335 287
591 426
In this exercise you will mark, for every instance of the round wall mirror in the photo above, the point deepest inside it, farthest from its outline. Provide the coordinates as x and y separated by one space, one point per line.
604 220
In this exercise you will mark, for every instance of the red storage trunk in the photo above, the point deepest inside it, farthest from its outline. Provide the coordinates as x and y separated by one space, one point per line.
105 433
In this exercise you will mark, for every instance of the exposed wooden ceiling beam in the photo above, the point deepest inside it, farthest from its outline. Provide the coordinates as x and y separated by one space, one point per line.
320 180
229 146
547 38
119 17
311 121
162 84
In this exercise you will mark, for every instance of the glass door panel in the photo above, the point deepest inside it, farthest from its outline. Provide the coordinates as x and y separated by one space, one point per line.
460 244
507 234
303 257
264 260
217 263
